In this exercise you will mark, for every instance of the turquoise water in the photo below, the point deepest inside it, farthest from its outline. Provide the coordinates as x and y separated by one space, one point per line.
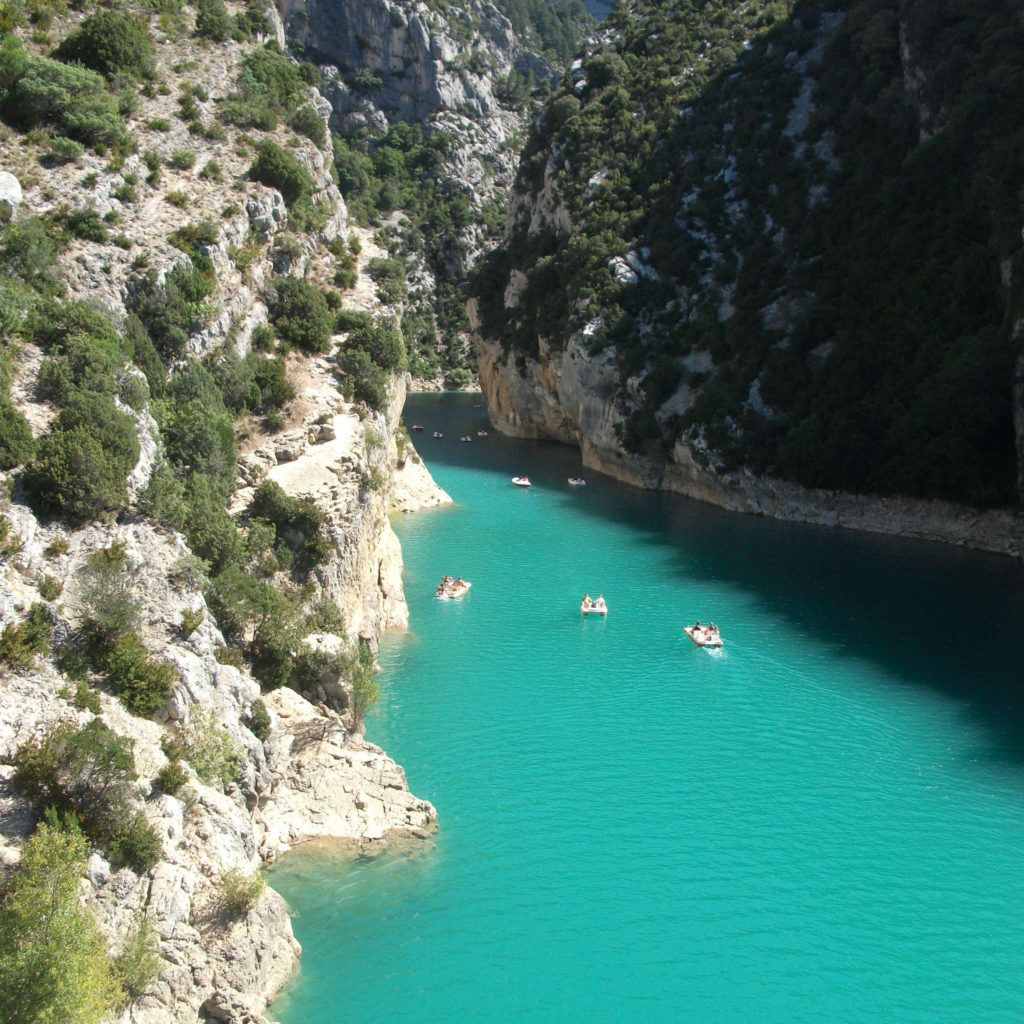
823 822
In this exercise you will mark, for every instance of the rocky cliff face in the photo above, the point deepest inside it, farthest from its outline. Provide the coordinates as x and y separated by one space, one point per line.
314 775
669 359
388 62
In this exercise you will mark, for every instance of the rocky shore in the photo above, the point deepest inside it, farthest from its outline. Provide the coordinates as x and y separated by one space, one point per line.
566 397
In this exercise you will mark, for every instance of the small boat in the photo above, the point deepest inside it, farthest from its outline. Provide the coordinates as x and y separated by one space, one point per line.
521 481
481 433
437 433
577 481
466 438
704 636
595 607
449 589
417 427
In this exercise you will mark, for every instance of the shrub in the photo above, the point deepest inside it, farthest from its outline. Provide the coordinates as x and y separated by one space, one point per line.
17 445
73 99
258 719
211 532
49 588
137 964
86 224
79 471
191 620
364 380
110 42
182 159
53 959
210 750
90 771
142 682
170 311
106 585
237 893
301 317
308 122
211 171
62 150
21 643
172 777
276 168
212 20
298 522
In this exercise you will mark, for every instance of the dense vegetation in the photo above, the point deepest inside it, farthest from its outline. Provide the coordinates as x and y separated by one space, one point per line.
842 271
54 964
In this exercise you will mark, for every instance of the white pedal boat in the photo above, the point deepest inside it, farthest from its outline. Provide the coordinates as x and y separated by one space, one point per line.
703 637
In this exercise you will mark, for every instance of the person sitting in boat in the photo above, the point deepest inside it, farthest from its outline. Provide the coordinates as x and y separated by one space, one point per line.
586 602
460 582
599 603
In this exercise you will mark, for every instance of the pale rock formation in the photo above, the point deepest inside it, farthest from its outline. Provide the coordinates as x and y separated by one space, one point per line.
10 195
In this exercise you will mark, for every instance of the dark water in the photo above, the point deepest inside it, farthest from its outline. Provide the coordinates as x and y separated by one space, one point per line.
822 822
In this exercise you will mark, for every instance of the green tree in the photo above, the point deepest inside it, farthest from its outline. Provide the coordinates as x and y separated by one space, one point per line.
301 316
54 967
110 42
212 20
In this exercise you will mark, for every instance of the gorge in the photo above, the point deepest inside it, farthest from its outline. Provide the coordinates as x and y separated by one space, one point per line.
762 255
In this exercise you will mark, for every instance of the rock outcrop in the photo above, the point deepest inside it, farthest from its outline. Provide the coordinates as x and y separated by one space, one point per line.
569 397
314 775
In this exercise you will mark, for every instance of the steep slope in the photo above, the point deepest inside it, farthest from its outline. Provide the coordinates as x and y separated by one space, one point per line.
764 253
430 102
199 435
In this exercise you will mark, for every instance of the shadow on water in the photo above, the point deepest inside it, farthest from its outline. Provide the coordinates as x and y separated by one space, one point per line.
931 615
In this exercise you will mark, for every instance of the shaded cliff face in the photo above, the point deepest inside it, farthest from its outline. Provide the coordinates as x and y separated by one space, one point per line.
793 241
397 63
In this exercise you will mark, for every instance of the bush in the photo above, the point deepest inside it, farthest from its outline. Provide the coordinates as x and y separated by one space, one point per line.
90 771
137 964
364 380
210 530
61 150
21 643
182 159
308 122
277 168
17 445
170 311
172 777
142 682
213 754
53 956
237 893
258 720
212 20
110 42
301 317
298 522
191 620
73 99
75 477
106 585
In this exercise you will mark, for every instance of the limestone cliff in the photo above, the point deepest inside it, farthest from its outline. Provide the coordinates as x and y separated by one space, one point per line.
700 289
313 774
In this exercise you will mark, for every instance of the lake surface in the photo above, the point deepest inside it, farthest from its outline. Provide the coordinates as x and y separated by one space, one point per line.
822 822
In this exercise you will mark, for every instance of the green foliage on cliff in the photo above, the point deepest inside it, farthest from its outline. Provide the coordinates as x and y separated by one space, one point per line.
815 210
90 772
110 42
54 965
69 98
